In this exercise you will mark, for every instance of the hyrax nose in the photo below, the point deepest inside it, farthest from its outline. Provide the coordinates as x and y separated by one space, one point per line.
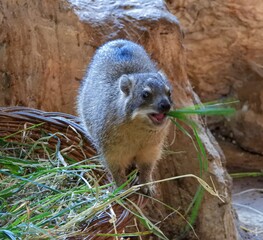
164 106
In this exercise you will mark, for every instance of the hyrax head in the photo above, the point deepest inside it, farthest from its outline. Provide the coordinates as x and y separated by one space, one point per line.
147 96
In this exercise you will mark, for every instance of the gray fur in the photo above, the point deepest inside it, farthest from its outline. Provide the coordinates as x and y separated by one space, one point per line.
120 81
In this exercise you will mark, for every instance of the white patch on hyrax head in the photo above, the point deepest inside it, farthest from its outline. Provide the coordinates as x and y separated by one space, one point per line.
164 77
162 74
167 89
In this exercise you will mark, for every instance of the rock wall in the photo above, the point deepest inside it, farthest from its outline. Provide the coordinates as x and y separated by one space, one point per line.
224 59
44 51
39 67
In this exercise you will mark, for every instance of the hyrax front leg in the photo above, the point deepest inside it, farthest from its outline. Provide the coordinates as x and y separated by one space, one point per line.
118 174
145 171
146 160
117 169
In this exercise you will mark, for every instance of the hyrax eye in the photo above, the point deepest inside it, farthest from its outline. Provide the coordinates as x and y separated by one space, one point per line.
146 94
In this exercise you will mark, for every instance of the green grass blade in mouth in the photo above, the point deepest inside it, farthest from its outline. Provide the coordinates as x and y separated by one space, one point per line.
206 109
203 112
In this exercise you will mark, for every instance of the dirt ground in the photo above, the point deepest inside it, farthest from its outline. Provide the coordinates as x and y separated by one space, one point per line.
248 203
247 192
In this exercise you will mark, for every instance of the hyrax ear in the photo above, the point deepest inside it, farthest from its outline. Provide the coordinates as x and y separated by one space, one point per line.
125 84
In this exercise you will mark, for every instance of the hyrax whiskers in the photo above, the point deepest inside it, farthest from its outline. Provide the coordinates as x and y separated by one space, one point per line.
123 103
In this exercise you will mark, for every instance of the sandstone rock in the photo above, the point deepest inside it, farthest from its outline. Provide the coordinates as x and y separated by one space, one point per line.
247 162
224 59
44 51
39 67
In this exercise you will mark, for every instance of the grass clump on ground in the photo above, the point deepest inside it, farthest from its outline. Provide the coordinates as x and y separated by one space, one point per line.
45 193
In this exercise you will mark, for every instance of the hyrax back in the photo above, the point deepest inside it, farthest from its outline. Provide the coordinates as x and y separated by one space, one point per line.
122 104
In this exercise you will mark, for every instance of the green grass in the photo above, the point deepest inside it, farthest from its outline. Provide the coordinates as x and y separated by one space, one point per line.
45 194
246 174
183 117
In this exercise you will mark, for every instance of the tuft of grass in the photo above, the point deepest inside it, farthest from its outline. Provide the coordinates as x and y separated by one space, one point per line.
46 194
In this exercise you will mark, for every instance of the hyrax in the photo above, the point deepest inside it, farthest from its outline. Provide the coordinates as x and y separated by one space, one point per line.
123 103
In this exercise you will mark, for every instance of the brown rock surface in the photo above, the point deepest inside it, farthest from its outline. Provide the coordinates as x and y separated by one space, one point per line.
224 59
39 67
238 160
44 50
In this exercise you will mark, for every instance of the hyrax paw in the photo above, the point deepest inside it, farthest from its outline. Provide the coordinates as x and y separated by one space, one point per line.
148 190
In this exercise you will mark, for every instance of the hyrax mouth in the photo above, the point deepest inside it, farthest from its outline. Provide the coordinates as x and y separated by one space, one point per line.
157 118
